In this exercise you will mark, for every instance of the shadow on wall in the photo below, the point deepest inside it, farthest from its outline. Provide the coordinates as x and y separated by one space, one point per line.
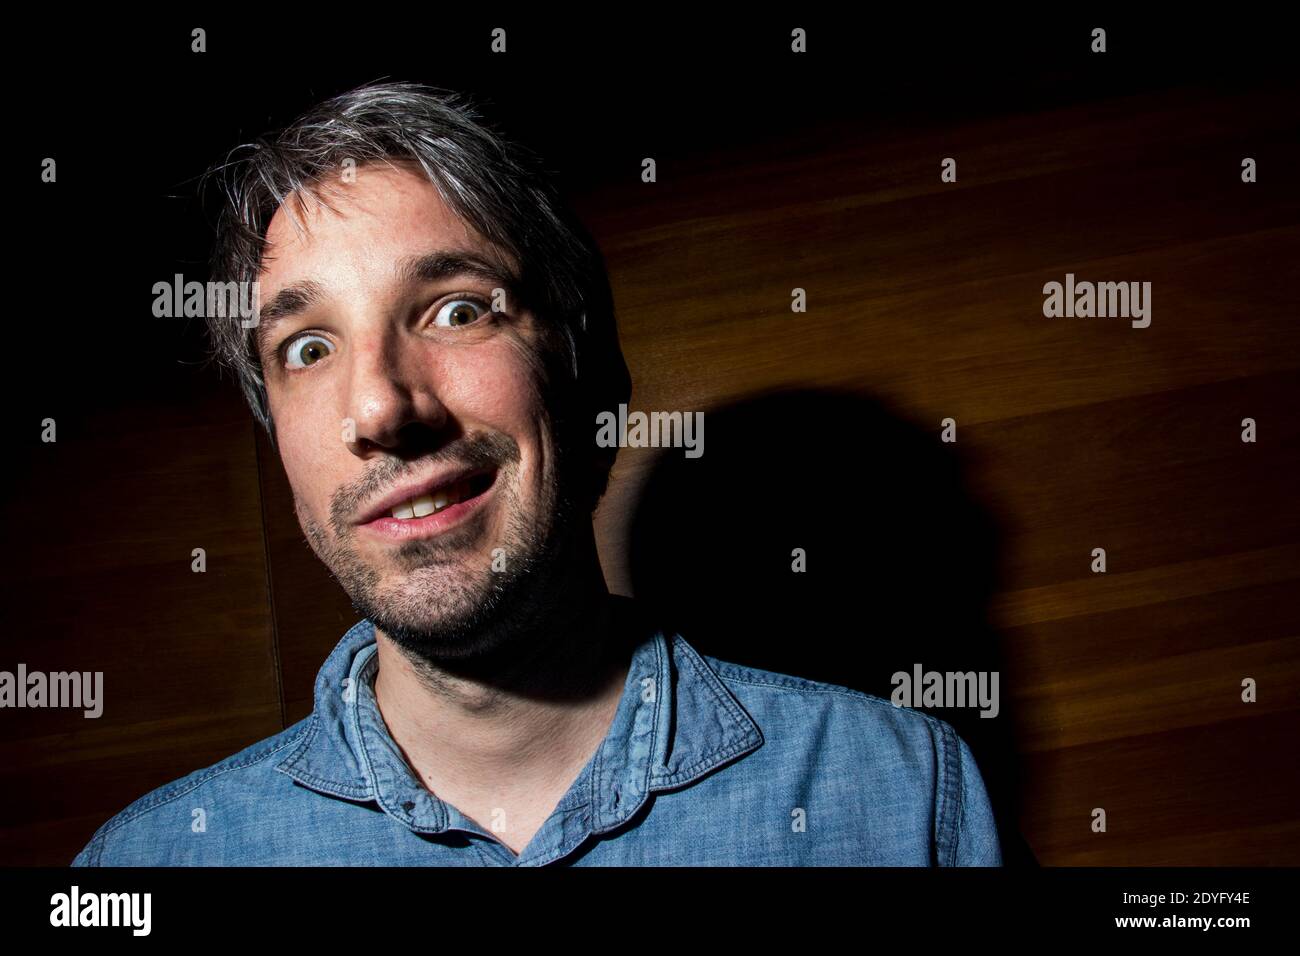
901 561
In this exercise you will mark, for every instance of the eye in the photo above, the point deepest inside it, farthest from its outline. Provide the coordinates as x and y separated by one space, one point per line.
458 312
307 350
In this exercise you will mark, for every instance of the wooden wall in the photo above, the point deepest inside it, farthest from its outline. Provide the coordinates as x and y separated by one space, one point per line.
1118 690
1121 690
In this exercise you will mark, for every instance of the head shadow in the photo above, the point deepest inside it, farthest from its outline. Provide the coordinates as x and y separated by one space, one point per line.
901 558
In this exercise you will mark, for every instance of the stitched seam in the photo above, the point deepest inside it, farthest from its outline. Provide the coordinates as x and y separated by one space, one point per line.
328 786
709 676
295 758
354 718
598 782
664 664
96 850
165 799
961 808
563 850
290 767
947 834
944 844
482 855
833 691
685 775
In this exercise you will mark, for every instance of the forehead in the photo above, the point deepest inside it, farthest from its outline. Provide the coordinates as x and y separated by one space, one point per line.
383 213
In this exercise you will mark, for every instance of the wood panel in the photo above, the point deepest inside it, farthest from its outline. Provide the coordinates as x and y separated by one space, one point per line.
312 612
1119 690
111 513
926 303
1122 690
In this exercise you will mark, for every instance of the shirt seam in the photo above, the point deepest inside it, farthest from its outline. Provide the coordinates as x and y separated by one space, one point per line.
948 832
837 692
708 676
165 798
354 719
702 670
950 779
663 671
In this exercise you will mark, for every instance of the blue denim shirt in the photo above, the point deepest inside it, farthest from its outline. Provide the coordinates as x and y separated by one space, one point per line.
705 763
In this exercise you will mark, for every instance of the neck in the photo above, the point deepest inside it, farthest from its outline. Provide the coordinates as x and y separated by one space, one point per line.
522 718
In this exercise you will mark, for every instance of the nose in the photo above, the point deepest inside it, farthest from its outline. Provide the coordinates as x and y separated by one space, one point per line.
391 397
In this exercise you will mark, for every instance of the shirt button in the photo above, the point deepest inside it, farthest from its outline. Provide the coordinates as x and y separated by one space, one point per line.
408 806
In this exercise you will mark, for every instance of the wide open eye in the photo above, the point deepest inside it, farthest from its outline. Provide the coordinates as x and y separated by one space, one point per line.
458 312
307 350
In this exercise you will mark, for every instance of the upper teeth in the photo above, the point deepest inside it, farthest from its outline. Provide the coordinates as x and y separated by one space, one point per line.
428 504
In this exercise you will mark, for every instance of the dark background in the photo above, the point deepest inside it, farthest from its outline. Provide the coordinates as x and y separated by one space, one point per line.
1119 691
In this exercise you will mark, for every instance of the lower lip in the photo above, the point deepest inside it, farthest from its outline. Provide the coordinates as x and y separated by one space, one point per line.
405 529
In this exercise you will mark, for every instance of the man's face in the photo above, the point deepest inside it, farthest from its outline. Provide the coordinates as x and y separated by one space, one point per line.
388 375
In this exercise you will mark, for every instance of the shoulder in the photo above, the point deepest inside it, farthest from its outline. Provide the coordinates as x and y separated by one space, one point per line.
884 754
134 836
797 702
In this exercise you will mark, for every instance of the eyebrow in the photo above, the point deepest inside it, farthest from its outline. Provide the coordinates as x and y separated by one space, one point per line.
298 297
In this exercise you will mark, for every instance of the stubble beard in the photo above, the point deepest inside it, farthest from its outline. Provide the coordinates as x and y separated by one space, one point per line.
441 600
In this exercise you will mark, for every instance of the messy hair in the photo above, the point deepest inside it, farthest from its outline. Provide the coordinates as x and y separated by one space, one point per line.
491 183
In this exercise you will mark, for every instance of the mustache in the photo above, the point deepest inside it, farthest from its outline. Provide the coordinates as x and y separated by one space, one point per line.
481 450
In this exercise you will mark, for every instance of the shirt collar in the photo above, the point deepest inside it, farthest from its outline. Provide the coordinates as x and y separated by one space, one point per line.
675 723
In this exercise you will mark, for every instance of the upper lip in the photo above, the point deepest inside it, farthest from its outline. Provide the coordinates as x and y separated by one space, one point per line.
415 489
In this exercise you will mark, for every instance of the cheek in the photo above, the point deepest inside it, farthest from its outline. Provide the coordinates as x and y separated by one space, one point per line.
501 390
310 442
497 386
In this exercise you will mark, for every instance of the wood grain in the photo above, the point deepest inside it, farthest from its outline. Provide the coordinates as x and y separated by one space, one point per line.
1121 690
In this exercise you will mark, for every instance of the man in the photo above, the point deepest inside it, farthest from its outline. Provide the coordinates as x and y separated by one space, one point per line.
435 338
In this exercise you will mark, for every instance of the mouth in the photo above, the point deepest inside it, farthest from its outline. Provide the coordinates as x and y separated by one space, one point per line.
433 510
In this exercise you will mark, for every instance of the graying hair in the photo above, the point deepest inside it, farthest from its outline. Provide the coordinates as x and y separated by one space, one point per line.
494 185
